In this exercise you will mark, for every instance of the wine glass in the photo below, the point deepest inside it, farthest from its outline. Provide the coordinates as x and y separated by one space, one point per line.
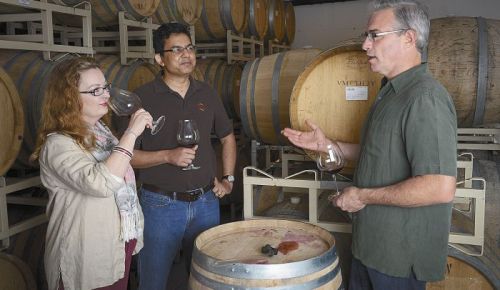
331 161
125 103
188 136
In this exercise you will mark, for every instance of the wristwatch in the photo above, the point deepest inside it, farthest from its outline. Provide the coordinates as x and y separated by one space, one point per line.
229 178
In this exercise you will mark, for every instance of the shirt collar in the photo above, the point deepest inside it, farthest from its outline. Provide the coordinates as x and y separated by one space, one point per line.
161 87
406 77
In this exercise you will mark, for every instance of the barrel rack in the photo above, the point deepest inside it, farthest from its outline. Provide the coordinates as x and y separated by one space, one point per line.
470 192
10 185
479 139
45 40
236 48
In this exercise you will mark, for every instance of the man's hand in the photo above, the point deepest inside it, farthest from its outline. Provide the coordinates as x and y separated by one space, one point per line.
222 188
350 199
312 140
182 156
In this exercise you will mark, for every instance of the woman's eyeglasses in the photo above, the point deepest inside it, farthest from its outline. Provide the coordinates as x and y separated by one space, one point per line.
98 91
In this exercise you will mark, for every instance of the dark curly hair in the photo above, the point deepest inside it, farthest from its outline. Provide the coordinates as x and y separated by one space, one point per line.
164 32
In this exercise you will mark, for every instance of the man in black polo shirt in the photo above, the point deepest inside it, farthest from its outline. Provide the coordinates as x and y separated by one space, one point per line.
179 204
406 163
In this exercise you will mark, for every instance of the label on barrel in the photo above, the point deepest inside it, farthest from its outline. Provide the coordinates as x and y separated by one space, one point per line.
356 93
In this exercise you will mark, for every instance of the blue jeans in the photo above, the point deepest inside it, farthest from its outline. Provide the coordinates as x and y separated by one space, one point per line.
168 224
365 278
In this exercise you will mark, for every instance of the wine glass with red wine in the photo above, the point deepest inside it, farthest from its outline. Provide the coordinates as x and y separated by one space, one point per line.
188 136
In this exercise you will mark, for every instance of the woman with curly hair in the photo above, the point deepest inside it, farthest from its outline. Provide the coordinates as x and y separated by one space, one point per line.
95 220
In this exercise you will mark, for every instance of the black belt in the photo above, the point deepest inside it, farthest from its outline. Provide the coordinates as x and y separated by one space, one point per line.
190 195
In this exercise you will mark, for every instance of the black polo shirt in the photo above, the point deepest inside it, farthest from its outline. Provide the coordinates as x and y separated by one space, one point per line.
201 104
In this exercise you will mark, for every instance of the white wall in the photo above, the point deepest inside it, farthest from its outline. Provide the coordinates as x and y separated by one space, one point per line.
325 25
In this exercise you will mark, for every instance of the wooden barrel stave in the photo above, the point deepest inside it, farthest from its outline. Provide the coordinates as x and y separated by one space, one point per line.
257 22
265 92
217 16
276 17
30 74
11 121
186 12
289 23
454 56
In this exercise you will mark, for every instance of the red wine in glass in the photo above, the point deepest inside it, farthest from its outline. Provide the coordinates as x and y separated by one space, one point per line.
188 136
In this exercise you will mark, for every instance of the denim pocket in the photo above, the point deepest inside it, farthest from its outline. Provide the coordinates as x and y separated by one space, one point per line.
208 196
152 199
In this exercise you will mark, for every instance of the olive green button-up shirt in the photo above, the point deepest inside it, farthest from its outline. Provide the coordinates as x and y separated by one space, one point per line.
410 130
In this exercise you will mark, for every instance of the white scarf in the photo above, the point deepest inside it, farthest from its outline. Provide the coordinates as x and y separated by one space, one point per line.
126 195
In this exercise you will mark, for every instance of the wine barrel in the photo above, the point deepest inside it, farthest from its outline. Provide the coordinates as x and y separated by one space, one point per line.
105 12
30 73
186 12
229 257
257 22
336 92
460 275
11 122
289 23
15 274
276 17
197 74
226 80
266 86
217 16
463 54
128 77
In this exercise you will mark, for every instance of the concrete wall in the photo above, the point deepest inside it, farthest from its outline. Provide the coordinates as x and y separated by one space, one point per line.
325 25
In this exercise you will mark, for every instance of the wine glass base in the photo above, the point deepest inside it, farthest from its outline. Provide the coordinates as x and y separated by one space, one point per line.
157 125
191 167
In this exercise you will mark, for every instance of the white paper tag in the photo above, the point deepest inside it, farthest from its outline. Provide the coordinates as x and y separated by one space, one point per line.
356 93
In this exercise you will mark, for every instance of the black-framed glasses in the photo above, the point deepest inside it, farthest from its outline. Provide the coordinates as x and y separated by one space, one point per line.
372 35
179 49
98 91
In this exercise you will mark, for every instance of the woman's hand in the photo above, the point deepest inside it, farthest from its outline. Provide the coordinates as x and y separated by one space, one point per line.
139 121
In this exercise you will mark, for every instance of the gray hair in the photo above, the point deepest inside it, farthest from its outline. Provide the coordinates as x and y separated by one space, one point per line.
409 14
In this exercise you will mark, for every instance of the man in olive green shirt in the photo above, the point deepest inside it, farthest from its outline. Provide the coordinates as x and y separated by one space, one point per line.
406 162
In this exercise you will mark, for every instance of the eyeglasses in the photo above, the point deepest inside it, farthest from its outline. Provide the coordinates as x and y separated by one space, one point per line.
371 35
178 50
98 91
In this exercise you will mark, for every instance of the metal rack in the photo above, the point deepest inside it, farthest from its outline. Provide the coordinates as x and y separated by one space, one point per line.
45 40
10 185
236 48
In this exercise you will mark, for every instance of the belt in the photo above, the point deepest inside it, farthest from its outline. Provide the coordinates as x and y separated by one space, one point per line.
190 195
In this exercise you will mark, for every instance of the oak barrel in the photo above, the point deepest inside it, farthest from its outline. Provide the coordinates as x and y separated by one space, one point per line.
217 16
463 54
186 12
105 12
15 274
461 275
30 73
289 23
257 22
128 77
11 122
266 86
335 91
229 257
276 17
226 80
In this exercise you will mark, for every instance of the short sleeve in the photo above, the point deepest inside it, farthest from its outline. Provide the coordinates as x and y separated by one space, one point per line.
430 134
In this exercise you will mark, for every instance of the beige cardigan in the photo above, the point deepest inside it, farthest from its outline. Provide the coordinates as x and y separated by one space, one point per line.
82 242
